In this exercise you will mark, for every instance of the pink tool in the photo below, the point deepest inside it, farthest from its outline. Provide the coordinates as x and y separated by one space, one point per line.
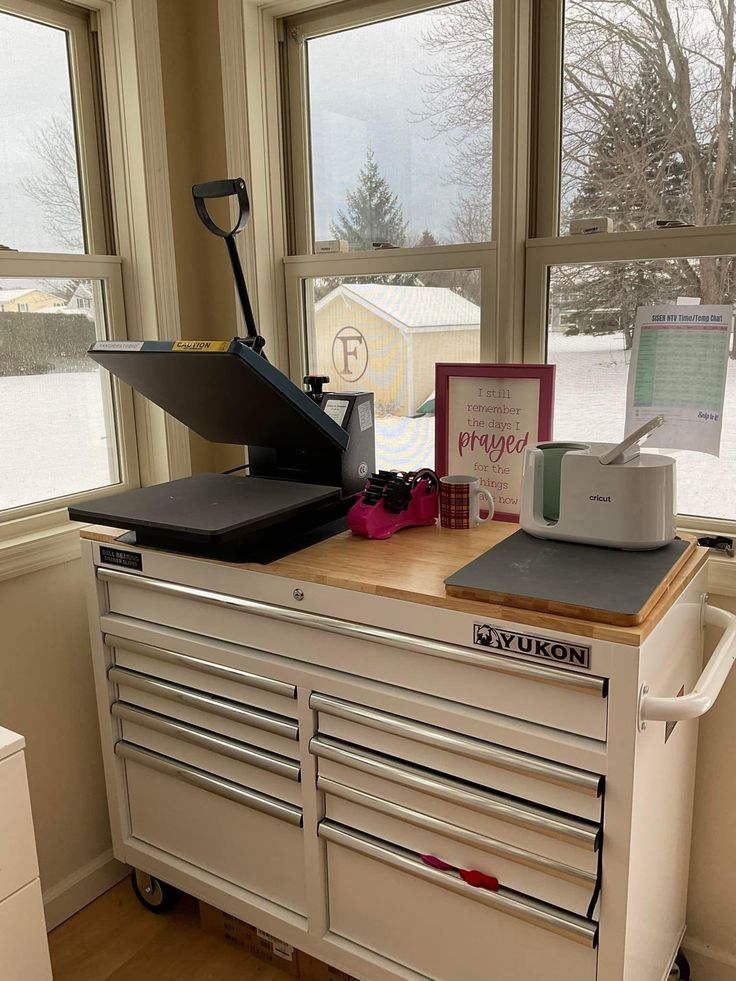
393 500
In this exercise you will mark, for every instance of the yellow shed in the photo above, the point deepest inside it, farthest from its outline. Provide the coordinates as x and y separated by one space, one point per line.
387 339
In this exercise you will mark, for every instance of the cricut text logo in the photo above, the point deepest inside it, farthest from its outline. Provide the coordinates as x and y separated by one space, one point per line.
484 635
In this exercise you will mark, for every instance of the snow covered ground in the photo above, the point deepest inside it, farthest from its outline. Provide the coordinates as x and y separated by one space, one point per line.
590 403
53 440
52 436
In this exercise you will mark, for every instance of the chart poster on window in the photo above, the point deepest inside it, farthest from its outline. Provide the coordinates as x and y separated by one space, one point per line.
678 367
487 415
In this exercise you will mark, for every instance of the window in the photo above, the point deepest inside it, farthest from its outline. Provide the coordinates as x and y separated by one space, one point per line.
459 141
65 430
391 127
647 114
645 141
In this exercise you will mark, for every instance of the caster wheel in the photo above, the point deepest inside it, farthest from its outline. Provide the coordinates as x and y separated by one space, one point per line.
156 896
681 969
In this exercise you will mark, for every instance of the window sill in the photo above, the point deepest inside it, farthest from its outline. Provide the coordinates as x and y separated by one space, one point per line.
36 543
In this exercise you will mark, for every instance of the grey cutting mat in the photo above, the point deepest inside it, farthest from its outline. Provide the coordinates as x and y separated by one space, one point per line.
551 572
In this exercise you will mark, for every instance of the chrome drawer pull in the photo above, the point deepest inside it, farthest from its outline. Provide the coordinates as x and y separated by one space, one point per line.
474 749
505 665
206 667
539 914
208 703
207 740
576 831
215 785
520 856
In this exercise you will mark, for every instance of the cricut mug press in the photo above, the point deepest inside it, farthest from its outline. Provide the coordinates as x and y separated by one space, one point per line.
600 493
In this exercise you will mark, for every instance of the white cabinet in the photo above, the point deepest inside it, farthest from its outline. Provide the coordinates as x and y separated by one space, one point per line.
344 766
24 952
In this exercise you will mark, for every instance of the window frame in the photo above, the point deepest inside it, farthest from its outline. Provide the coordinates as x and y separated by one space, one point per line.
141 294
85 265
547 246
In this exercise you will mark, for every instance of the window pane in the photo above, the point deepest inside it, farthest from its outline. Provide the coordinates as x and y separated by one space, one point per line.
57 430
40 208
647 122
401 129
379 335
592 310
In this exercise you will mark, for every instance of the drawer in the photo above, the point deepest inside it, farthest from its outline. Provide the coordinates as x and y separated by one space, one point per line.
508 771
567 700
249 839
207 676
386 899
563 838
275 733
24 949
516 869
277 776
18 864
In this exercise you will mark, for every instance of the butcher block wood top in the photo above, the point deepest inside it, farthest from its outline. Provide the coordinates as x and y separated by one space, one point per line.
413 565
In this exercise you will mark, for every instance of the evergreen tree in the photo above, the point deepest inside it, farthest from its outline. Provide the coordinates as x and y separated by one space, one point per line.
372 213
635 173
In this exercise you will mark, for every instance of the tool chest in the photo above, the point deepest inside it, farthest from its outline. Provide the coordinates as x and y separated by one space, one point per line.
353 772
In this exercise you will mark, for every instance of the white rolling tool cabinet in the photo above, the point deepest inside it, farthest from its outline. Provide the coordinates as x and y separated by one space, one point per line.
287 741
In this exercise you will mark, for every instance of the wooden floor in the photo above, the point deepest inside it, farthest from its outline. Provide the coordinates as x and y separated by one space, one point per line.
116 939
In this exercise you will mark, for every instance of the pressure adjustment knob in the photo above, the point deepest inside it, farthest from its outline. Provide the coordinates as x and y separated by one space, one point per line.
315 384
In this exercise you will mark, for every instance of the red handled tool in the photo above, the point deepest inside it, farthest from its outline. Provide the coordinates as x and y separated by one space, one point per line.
472 876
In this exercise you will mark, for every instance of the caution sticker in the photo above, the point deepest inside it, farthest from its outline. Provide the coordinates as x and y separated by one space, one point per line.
200 345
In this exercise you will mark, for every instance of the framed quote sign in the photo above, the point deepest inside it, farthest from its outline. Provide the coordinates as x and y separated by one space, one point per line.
486 415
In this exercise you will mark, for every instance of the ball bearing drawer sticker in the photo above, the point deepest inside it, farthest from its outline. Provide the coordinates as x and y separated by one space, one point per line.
121 557
527 645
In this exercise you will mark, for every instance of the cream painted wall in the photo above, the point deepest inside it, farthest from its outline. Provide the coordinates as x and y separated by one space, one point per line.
46 693
195 131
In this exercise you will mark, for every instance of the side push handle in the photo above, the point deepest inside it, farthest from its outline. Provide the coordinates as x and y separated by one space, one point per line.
222 189
702 698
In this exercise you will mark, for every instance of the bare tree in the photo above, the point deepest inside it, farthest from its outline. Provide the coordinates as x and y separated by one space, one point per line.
685 50
54 185
648 128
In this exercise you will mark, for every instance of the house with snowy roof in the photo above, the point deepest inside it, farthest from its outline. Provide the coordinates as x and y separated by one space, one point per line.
387 339
28 300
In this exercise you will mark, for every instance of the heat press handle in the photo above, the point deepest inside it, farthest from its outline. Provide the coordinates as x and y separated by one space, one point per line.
226 189
222 189
708 686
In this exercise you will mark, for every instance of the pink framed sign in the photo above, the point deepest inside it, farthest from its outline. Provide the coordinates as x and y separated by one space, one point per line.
486 415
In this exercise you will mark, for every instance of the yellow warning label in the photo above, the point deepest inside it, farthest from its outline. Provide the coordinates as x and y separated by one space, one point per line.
200 345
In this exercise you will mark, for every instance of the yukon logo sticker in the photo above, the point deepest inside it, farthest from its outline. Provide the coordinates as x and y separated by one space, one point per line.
527 645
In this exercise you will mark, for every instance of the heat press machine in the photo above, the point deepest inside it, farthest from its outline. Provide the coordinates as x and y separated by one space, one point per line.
600 493
309 452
